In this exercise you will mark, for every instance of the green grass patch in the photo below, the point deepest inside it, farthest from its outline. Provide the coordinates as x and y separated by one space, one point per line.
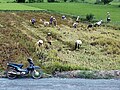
16 6
6 1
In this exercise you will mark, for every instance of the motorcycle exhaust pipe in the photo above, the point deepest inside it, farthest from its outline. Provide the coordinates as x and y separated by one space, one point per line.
14 73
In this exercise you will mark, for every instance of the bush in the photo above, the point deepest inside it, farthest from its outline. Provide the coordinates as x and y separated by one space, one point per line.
31 1
89 17
51 0
106 1
65 0
20 1
57 66
86 74
98 2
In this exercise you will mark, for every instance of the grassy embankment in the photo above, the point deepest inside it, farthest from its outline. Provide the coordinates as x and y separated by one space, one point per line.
100 49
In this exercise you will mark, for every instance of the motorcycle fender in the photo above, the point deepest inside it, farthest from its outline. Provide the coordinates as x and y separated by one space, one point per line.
36 67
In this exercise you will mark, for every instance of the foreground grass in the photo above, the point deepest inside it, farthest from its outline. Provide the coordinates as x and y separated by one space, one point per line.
82 9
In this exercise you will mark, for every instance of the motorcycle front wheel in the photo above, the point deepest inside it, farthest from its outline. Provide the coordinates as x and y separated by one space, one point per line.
11 73
37 74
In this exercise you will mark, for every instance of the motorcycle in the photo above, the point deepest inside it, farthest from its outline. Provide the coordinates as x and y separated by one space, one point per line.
14 70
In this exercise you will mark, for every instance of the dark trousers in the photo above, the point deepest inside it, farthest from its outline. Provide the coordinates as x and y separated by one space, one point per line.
77 46
108 19
33 23
50 43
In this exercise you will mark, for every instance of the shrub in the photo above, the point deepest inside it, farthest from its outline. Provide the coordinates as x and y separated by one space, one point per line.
51 0
86 74
57 66
98 1
65 0
106 1
20 1
89 17
31 1
39 1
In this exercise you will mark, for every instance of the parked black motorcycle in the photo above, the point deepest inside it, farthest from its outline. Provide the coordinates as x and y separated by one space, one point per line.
14 70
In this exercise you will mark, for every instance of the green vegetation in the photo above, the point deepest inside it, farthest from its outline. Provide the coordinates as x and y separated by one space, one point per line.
5 1
16 6
101 45
81 9
85 74
115 2
100 49
89 17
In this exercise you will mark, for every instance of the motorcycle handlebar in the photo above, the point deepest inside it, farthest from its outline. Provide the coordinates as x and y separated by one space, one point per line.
30 61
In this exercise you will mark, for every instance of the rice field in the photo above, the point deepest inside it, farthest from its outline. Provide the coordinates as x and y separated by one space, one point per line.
16 6
82 9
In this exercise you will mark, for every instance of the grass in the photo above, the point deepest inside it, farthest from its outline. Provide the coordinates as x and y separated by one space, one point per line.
115 2
82 9
100 49
4 1
16 6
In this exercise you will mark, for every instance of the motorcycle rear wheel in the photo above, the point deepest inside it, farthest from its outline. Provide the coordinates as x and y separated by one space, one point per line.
9 73
37 74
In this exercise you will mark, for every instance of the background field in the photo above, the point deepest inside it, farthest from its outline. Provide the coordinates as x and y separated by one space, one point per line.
86 1
4 1
82 9
16 6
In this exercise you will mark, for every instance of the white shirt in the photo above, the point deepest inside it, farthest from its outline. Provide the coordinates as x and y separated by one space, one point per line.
40 41
78 41
99 23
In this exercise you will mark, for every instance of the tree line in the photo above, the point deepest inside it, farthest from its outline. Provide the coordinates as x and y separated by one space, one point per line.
37 1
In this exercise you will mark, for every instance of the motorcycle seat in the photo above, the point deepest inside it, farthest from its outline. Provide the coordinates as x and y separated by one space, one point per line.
19 65
22 70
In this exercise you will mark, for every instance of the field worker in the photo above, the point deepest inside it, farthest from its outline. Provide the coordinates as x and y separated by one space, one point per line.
33 21
78 43
39 46
40 43
63 17
54 21
98 23
108 17
74 25
49 38
51 20
77 20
